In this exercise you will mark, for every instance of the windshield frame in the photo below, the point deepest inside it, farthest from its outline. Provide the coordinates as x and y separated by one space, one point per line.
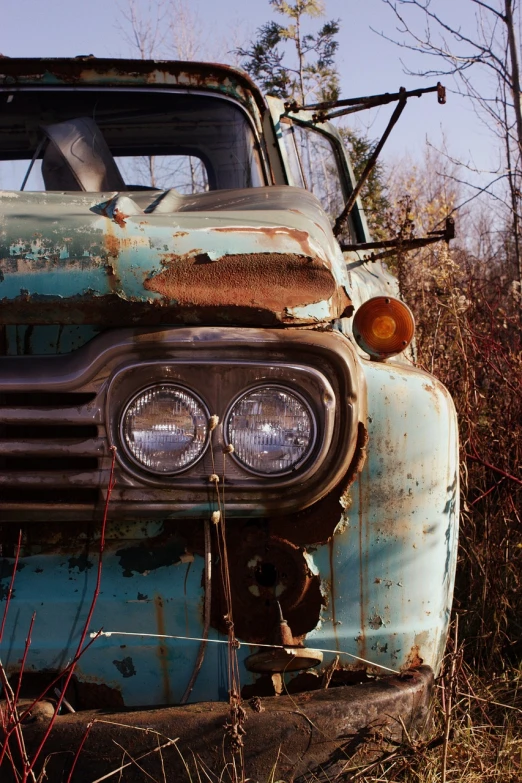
266 170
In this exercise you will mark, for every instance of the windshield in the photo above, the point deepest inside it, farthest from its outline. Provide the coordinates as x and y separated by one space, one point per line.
112 140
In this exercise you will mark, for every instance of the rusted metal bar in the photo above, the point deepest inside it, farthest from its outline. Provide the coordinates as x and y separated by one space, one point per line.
447 233
50 478
73 416
352 105
67 447
368 168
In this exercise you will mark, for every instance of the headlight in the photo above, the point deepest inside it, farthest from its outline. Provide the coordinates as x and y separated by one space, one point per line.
272 430
164 428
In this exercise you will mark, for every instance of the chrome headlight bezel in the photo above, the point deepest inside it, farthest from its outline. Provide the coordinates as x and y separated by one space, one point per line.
132 400
218 373
310 449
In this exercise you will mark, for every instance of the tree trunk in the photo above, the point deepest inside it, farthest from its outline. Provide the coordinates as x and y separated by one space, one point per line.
515 73
515 82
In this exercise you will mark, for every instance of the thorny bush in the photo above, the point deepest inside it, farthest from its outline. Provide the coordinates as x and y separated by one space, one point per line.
468 314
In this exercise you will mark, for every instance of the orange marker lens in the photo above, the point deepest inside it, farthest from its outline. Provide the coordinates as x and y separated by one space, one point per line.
383 327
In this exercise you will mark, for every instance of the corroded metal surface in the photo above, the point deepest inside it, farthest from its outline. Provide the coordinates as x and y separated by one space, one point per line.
69 72
319 732
355 549
392 594
367 570
240 258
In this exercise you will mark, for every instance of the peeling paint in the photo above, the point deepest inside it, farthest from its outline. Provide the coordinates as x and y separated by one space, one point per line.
97 266
125 667
356 548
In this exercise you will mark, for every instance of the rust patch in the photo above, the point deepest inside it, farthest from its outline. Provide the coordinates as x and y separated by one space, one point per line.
112 244
119 218
265 570
433 392
273 232
84 70
112 214
273 281
316 524
162 650
414 660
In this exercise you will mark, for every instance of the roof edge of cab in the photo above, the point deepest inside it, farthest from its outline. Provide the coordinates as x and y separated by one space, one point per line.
104 71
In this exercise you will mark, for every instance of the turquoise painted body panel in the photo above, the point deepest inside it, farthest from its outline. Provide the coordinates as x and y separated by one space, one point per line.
61 261
386 574
356 545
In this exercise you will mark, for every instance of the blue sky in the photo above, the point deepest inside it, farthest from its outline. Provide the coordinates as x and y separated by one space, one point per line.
367 63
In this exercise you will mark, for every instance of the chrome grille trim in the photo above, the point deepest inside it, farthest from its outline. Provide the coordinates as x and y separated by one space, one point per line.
37 415
72 447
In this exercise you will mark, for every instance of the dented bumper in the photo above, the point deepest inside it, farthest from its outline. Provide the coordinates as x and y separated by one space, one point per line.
305 734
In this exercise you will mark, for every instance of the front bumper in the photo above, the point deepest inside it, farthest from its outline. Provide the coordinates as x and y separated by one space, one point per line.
310 735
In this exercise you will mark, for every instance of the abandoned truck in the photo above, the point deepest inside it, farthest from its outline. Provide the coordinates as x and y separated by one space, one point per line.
228 496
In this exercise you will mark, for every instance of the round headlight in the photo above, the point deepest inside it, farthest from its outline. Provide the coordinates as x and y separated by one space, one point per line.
164 428
271 429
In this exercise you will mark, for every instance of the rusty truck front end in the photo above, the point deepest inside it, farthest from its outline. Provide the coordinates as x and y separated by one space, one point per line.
228 497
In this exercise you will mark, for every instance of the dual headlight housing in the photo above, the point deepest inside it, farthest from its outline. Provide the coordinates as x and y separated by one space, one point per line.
165 429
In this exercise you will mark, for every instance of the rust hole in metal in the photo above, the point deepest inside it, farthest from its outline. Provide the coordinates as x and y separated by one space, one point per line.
80 695
266 575
267 570
316 524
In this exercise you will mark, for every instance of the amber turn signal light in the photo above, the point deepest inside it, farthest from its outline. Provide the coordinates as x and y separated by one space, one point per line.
383 327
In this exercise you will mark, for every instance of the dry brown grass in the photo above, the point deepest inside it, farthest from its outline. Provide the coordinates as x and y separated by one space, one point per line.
485 743
467 305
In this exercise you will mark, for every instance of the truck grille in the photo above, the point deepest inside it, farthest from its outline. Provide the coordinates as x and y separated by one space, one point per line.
51 449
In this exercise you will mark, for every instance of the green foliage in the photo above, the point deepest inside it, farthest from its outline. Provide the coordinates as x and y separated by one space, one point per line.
312 72
376 203
312 76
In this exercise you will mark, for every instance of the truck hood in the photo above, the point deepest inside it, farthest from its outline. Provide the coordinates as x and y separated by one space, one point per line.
262 256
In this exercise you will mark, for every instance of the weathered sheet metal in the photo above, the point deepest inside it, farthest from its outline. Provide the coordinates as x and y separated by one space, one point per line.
94 71
238 257
378 588
392 562
319 732
362 567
